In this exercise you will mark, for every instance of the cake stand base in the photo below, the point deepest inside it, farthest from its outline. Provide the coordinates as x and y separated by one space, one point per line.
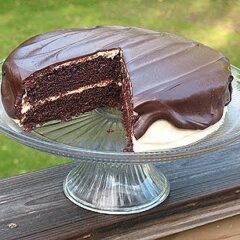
116 188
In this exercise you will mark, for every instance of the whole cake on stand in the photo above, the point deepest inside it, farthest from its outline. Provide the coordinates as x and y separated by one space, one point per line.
92 93
148 75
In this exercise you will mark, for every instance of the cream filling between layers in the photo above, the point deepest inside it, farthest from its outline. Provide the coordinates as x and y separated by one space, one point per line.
26 106
105 54
163 135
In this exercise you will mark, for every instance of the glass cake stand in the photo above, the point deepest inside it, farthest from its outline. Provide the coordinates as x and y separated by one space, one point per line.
106 179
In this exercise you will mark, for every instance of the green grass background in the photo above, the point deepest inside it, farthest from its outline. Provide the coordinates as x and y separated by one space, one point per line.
215 23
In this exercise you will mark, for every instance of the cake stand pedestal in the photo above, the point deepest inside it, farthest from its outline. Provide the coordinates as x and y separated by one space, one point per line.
116 188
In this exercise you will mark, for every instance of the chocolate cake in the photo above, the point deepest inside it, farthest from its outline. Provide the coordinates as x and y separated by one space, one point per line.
149 75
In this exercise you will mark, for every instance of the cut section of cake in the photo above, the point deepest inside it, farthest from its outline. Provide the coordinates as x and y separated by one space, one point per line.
66 89
150 76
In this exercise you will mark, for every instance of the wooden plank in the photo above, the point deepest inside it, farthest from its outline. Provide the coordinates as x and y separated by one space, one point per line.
204 189
227 229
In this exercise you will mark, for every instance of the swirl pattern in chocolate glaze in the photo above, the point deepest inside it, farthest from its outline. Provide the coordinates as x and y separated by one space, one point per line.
172 78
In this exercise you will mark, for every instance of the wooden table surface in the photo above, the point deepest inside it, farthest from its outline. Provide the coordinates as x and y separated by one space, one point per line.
204 189
226 229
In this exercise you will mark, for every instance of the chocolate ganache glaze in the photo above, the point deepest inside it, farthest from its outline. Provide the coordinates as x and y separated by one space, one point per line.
172 78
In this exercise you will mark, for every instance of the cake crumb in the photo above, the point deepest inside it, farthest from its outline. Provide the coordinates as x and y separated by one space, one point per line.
110 130
12 225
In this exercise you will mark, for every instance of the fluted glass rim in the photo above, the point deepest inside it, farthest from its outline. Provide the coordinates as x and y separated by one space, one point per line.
77 153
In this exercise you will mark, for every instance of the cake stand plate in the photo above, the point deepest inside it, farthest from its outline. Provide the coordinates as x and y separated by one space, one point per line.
106 179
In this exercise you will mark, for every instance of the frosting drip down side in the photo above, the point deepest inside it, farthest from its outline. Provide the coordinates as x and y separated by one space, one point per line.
163 135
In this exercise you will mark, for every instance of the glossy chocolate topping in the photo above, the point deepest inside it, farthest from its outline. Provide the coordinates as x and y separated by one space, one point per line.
172 78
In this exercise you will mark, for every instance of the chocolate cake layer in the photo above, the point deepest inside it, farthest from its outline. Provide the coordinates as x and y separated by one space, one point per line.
79 72
70 105
171 77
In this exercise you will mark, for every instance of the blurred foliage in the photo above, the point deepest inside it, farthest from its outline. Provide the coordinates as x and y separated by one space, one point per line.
212 22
